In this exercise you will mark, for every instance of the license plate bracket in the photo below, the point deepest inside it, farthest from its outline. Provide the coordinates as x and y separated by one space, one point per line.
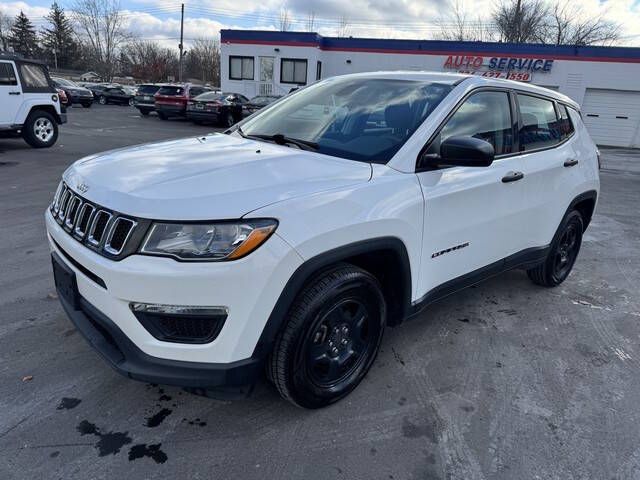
65 281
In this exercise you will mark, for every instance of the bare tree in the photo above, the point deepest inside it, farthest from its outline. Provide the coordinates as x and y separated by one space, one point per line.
458 26
343 27
5 28
203 60
567 26
101 25
284 22
150 61
520 21
311 21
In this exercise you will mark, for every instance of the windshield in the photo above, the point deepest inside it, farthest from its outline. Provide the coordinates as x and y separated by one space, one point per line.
360 119
65 82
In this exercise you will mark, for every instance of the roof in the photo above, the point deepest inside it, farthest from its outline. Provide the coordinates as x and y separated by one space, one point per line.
432 47
16 57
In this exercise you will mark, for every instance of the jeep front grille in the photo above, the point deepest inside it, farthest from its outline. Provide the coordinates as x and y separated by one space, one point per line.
107 232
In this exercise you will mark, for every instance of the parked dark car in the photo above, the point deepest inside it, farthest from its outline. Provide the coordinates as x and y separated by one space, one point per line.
144 100
75 93
117 95
216 107
171 100
256 103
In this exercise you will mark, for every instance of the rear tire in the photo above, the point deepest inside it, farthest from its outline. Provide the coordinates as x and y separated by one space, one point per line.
86 105
563 253
228 120
332 336
102 100
144 112
163 116
40 130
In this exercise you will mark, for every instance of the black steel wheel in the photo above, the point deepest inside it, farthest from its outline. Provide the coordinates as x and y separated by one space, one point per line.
563 253
331 338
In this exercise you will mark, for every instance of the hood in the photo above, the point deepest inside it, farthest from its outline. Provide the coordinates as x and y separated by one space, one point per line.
207 178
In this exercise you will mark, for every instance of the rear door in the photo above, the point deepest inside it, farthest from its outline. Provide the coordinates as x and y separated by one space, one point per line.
473 215
550 164
10 94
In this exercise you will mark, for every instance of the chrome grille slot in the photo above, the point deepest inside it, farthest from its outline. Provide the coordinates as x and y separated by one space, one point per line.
84 216
118 235
72 212
98 227
104 231
64 200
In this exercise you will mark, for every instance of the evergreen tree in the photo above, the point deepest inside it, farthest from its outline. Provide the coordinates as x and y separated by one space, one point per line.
23 37
59 41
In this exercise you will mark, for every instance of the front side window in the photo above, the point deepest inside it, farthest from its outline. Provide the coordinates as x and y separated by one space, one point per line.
293 70
33 76
359 119
7 74
540 128
484 115
241 68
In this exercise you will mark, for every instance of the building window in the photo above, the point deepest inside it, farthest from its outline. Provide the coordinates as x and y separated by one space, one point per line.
240 68
293 70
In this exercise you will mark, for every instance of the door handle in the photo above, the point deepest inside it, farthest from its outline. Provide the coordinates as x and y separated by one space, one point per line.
14 93
571 162
512 177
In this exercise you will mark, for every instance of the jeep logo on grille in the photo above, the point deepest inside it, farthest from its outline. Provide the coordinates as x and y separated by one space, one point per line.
82 187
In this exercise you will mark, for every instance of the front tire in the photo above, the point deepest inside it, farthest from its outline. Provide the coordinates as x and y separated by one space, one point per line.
40 129
162 116
144 112
102 100
332 336
228 121
562 256
86 105
131 102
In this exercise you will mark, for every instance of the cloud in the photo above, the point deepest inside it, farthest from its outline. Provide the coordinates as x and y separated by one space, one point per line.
160 19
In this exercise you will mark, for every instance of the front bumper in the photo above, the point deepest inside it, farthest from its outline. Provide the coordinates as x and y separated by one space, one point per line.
63 117
248 287
128 360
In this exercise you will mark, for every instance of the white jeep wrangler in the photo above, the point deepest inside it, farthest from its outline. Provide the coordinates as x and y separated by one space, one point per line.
293 241
29 103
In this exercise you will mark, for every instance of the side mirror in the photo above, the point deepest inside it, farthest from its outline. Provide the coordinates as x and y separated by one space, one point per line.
465 151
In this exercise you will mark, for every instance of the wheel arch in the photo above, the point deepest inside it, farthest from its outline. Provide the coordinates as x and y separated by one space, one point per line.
386 258
46 108
585 203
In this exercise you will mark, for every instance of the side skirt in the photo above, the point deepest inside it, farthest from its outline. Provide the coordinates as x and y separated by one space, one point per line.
524 259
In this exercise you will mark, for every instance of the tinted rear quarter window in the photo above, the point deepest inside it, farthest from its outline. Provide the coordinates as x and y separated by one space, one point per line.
33 76
540 125
564 123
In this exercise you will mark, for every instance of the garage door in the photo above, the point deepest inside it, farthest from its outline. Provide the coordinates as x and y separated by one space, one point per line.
612 117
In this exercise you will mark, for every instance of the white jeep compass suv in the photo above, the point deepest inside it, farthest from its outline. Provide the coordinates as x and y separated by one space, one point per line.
29 103
292 241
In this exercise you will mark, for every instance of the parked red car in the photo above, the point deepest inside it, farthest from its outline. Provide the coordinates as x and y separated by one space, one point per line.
171 100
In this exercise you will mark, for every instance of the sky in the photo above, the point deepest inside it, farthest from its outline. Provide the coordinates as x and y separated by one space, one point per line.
420 19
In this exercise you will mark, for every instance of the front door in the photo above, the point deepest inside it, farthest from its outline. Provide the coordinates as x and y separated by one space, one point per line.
266 75
473 215
10 94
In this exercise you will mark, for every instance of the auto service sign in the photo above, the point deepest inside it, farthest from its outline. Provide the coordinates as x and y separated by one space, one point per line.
511 68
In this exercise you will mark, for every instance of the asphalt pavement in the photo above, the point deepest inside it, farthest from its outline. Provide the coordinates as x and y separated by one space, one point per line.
506 380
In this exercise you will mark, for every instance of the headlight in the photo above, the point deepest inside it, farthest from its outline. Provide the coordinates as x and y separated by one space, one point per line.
207 241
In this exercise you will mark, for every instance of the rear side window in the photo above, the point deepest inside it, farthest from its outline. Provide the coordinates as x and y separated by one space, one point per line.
484 115
540 126
564 123
147 89
7 74
171 91
33 76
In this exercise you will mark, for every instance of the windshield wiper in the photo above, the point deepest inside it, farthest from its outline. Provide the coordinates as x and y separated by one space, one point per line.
280 139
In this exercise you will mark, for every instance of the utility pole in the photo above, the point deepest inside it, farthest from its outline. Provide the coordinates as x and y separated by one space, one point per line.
181 46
